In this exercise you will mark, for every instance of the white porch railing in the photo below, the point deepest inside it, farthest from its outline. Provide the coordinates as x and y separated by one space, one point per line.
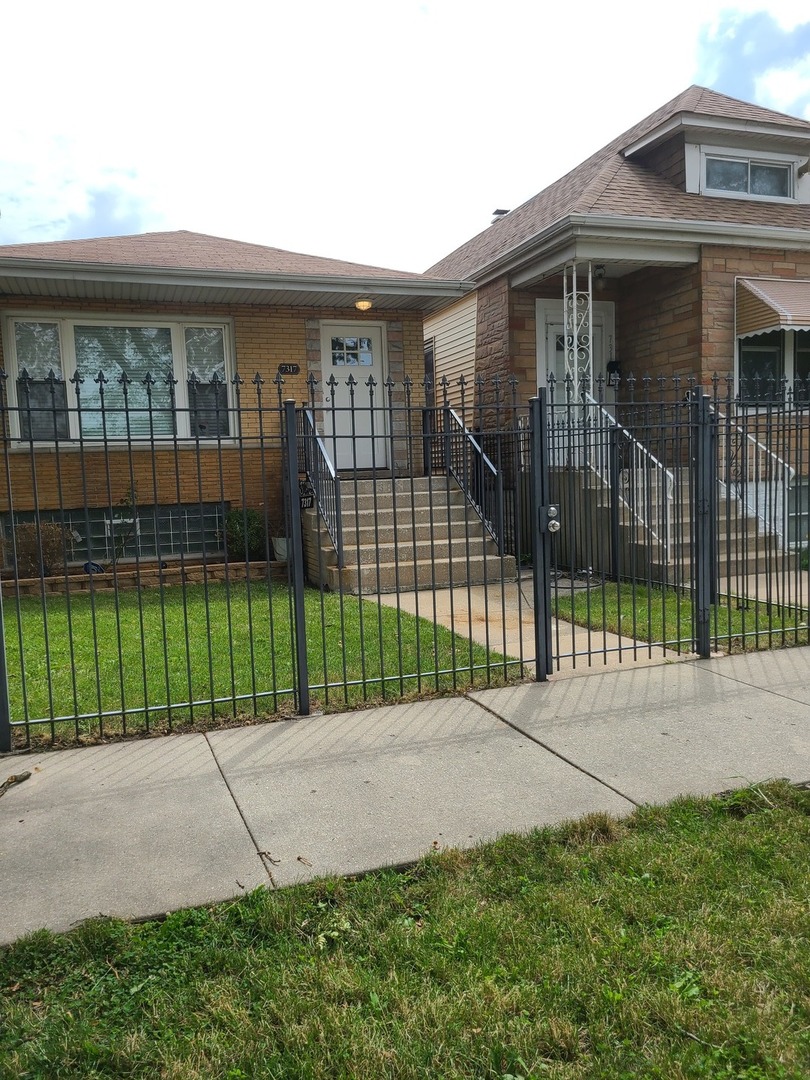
588 436
757 476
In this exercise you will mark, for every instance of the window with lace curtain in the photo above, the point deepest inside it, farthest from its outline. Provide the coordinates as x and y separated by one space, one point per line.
99 379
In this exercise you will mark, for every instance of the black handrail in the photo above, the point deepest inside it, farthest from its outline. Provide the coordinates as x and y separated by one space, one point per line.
474 473
323 478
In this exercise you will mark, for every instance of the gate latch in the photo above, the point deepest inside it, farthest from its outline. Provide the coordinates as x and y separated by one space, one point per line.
549 518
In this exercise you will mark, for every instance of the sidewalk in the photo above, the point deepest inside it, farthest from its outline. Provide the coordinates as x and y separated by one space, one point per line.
135 829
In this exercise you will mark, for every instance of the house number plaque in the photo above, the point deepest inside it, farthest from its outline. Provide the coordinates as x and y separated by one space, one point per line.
289 369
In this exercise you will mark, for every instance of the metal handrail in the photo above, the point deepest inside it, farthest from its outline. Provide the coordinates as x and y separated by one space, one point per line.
324 479
598 451
478 481
642 505
751 476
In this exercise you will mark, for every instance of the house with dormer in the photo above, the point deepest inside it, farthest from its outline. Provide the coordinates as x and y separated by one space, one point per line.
678 254
689 236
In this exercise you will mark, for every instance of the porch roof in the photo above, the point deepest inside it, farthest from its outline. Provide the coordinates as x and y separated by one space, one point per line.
765 304
187 267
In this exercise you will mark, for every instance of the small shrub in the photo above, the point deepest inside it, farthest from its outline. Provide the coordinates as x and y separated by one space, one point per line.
40 549
246 536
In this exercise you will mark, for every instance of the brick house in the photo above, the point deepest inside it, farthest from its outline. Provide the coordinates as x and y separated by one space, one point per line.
682 248
686 241
219 326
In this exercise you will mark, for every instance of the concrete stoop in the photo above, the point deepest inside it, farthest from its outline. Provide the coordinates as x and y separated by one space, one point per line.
404 534
743 547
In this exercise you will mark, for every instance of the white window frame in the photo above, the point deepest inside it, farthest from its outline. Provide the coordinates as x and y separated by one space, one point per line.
729 153
66 324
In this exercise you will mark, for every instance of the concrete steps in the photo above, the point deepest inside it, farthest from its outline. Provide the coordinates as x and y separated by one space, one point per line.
404 534
744 547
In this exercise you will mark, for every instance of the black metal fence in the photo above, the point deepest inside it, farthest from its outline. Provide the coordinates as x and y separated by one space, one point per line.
244 554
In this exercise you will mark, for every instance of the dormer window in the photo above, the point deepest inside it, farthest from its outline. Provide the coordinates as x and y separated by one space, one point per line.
748 177
739 175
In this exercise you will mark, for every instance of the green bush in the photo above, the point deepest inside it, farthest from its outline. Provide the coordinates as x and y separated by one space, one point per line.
40 549
246 536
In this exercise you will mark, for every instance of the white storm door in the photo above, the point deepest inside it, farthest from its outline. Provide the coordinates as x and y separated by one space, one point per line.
558 364
355 418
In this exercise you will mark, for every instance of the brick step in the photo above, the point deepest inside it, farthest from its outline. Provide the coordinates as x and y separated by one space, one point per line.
404 552
746 534
423 531
407 518
384 501
367 520
438 573
741 568
385 485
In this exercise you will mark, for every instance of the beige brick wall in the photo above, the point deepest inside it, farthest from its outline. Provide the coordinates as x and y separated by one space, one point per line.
658 322
719 267
492 350
263 339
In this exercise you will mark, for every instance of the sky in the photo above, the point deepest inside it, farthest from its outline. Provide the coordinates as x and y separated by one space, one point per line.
383 132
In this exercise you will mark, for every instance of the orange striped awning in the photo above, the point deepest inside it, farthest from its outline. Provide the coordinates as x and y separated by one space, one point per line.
772 304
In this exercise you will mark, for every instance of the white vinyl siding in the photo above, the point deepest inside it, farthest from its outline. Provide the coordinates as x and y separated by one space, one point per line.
453 331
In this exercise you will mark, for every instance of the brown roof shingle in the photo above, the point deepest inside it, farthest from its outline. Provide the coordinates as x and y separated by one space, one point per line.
184 250
607 183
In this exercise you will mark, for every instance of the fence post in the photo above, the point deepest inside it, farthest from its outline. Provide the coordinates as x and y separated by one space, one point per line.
5 708
427 442
295 555
541 537
704 587
615 479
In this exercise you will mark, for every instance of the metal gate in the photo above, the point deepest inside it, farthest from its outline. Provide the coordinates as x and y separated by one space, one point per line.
168 567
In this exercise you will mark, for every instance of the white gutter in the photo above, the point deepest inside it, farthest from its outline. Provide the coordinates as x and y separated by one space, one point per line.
615 227
233 279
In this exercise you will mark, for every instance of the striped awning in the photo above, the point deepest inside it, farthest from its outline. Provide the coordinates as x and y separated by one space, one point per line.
772 304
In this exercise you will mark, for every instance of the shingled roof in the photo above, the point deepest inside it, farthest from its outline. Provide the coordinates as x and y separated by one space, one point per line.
184 250
607 183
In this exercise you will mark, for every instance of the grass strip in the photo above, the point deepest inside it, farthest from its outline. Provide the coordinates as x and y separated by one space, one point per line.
674 944
666 615
262 662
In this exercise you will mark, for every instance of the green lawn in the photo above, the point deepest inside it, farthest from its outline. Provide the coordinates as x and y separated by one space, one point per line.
661 615
107 659
673 945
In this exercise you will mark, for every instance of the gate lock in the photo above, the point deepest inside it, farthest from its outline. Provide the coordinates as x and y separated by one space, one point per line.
549 519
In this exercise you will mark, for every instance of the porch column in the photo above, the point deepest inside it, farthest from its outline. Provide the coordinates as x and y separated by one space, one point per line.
578 315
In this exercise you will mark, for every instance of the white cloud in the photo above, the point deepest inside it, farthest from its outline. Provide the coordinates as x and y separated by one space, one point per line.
380 132
786 89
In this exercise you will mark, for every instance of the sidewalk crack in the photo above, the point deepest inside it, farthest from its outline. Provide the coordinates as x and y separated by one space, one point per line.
555 753
264 856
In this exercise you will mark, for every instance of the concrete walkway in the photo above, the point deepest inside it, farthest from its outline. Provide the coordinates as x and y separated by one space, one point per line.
135 829
500 616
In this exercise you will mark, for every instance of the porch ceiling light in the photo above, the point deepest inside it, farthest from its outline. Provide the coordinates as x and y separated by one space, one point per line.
599 275
363 304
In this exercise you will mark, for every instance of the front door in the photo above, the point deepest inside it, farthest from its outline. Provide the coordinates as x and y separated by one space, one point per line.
551 351
355 416
561 362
